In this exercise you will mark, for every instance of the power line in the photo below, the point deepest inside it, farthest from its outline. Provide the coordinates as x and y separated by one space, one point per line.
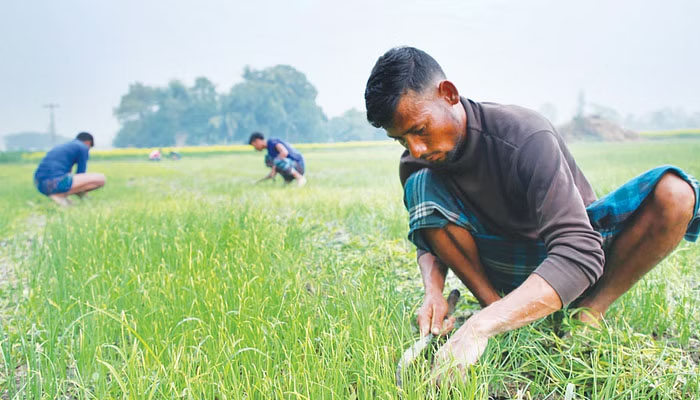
52 123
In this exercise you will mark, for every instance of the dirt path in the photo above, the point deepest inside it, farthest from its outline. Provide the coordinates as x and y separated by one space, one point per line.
16 249
13 251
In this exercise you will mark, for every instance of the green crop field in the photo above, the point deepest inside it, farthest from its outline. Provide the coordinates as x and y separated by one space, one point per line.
671 134
180 279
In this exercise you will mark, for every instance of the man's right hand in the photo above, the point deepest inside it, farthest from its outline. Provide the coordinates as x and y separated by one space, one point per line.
431 316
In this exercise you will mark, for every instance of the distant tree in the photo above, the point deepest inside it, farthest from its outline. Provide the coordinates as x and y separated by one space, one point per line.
31 141
353 125
201 120
278 101
694 120
663 119
137 113
605 112
153 117
139 102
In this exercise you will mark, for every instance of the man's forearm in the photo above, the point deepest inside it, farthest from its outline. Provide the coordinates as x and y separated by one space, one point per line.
433 273
532 300
81 165
282 151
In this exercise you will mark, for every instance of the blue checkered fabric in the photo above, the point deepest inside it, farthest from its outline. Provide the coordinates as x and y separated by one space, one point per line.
286 165
608 214
507 261
61 184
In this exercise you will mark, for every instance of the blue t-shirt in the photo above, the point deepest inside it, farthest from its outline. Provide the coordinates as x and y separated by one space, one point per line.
60 160
273 153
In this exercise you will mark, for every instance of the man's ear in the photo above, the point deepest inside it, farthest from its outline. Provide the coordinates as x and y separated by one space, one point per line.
448 91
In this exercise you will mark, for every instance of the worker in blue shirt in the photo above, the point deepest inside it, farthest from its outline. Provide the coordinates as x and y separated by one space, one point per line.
53 176
284 158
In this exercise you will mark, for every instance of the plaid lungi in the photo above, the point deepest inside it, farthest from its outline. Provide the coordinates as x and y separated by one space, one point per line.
287 164
61 184
507 261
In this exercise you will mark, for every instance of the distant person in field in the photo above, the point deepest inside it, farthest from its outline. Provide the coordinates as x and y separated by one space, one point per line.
155 155
494 194
53 176
174 155
281 157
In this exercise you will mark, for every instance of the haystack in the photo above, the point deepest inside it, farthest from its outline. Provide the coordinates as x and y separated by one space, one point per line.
595 128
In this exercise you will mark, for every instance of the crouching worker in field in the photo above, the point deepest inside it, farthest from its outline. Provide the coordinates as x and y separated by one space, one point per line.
494 194
281 157
53 176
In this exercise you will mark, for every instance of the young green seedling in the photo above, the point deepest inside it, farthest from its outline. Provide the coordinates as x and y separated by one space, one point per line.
417 348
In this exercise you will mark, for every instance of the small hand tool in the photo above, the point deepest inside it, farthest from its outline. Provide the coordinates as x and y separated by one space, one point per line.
414 351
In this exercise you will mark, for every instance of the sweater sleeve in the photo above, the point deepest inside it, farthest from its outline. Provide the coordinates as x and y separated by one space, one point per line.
83 156
575 256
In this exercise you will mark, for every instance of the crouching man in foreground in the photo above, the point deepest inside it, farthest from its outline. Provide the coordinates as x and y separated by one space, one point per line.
494 194
53 176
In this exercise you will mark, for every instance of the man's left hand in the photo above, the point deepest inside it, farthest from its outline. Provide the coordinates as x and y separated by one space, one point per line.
463 349
532 300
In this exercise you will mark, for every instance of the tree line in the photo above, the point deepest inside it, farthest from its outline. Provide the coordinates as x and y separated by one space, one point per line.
32 141
278 101
658 120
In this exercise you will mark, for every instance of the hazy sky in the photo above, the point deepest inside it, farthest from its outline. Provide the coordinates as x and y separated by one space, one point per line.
632 55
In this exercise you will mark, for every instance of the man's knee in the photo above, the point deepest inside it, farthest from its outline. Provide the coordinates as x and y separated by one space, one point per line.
452 237
674 199
419 185
99 180
449 233
284 165
93 180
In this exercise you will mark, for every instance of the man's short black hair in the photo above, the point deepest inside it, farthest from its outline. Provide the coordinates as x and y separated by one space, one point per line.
397 71
84 137
255 136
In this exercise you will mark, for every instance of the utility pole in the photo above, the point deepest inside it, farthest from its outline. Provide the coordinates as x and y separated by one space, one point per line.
52 123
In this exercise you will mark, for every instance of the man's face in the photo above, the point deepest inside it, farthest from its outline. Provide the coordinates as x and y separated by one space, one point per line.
429 124
259 144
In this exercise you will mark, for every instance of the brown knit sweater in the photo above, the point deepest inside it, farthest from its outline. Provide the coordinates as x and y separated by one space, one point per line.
517 175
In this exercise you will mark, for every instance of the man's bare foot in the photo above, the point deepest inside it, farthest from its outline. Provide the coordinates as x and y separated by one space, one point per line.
301 181
61 200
